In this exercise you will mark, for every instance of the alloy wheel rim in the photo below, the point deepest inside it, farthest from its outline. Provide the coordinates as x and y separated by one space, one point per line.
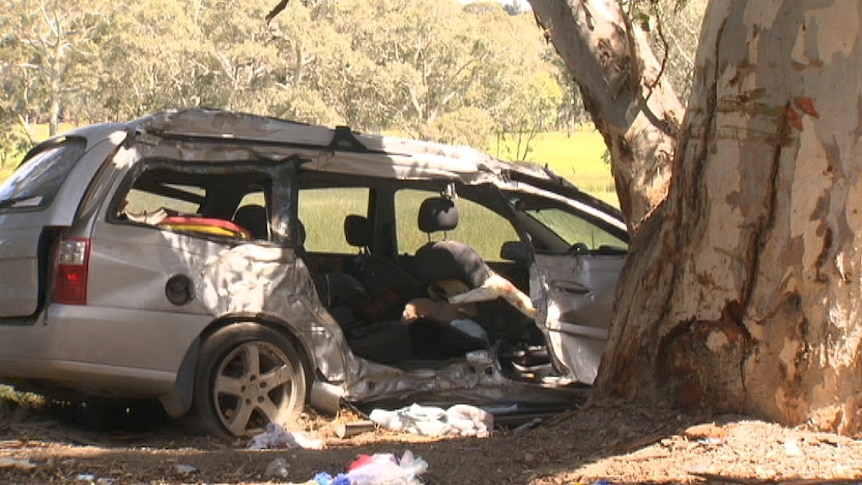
254 386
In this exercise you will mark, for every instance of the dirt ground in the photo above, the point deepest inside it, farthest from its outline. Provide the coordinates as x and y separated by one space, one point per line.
615 444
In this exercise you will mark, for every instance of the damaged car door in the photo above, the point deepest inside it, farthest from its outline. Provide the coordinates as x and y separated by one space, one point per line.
578 252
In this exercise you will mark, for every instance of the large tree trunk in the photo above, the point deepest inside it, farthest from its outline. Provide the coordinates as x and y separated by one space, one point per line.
631 104
743 291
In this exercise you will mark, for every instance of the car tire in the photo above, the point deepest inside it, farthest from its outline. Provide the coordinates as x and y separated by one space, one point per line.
247 376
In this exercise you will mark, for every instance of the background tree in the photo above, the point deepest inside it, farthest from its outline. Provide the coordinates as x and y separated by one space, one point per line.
630 103
312 51
673 27
528 111
153 55
421 68
52 39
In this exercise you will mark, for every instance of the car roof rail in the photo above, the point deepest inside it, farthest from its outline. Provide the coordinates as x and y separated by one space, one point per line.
343 139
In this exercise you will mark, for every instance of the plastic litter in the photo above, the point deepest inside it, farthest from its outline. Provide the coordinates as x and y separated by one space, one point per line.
278 468
324 478
376 469
90 478
458 420
185 469
386 469
276 436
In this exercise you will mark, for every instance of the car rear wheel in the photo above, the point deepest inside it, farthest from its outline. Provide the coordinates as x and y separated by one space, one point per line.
248 376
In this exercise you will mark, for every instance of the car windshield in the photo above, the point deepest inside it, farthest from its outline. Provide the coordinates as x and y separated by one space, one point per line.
555 225
39 177
574 229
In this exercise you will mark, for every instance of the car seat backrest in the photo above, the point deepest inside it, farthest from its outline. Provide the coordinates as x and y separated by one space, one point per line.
446 260
375 272
450 260
254 219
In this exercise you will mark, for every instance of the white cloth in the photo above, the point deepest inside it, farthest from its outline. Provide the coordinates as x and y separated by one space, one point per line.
458 420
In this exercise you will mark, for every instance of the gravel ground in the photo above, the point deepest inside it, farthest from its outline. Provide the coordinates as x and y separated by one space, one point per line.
617 444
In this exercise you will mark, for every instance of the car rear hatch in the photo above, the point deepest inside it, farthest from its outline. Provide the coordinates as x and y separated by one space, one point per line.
41 197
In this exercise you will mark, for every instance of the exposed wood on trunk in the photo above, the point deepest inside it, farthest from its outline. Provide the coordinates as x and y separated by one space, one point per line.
636 111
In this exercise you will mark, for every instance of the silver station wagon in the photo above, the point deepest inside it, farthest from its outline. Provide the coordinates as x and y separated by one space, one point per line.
239 268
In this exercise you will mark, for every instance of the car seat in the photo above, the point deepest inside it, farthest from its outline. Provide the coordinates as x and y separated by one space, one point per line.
446 259
255 219
434 264
453 260
376 272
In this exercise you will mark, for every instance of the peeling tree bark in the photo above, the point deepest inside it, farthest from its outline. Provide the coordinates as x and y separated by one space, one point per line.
743 291
636 111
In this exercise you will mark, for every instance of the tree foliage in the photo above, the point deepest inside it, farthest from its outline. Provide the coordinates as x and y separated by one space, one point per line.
426 68
461 73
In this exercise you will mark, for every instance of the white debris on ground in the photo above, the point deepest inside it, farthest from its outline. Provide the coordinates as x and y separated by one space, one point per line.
276 436
458 420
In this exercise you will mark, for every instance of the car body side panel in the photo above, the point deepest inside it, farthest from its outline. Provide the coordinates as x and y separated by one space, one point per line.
68 347
575 294
131 265
274 281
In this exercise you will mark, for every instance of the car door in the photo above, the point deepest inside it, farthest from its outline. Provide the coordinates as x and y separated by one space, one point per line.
43 193
575 314
579 253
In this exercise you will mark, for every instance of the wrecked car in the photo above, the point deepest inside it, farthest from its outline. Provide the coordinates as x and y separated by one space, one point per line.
239 268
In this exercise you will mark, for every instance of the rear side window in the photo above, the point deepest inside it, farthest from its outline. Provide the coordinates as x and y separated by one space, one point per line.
480 228
322 212
197 200
38 179
185 199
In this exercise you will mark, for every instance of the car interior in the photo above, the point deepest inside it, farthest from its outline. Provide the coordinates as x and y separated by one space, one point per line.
384 256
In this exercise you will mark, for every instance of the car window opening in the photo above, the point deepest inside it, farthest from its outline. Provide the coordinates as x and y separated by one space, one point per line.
398 311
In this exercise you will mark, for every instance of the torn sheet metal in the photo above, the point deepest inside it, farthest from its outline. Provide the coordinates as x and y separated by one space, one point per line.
278 139
251 279
575 295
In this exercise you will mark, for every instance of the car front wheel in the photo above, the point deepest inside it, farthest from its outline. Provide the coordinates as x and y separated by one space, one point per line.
248 376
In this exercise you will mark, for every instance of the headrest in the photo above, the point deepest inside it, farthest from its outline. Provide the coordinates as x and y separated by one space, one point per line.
438 214
358 231
300 232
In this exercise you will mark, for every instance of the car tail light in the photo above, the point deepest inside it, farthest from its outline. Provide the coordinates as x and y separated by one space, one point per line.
70 281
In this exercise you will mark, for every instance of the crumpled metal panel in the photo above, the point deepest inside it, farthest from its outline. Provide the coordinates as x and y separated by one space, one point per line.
476 381
576 300
273 281
392 157
254 279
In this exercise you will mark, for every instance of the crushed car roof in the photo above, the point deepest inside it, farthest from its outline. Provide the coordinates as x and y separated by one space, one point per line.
342 150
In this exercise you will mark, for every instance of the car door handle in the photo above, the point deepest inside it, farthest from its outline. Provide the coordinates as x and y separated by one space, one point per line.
571 287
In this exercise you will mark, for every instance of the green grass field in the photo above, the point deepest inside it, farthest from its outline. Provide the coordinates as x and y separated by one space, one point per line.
578 158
